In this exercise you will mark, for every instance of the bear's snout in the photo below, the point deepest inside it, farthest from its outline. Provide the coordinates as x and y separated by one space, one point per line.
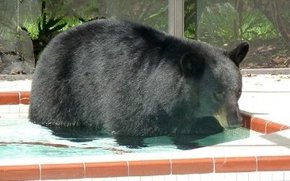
229 116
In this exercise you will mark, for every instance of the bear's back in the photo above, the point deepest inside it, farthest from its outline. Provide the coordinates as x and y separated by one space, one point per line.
94 66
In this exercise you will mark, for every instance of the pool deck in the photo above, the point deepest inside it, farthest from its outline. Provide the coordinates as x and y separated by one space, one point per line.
267 96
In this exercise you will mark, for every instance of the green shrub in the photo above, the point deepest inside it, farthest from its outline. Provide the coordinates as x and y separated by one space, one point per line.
221 23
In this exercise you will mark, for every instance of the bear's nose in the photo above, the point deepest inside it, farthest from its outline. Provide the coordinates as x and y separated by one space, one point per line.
229 116
235 119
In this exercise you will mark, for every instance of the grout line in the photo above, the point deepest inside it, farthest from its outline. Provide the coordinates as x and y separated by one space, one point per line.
213 165
40 171
251 122
19 97
256 158
266 127
170 162
266 122
84 169
128 168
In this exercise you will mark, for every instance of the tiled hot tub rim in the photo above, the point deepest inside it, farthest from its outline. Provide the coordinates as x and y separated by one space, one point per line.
261 125
129 168
146 167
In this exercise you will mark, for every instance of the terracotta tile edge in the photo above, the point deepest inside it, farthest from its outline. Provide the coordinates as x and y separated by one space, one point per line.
9 98
14 97
273 163
261 125
150 167
194 165
74 170
106 169
176 166
235 164
20 172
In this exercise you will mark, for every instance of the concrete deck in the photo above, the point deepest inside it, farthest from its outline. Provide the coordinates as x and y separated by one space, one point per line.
267 96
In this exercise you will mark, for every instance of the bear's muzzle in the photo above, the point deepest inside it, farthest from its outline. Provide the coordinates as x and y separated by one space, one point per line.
229 117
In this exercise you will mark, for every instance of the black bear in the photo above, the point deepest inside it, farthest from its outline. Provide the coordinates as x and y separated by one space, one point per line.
131 80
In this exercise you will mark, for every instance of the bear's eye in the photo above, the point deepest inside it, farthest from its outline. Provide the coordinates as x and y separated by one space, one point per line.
219 95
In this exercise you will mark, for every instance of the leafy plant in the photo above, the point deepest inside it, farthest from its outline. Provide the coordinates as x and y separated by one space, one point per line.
257 26
46 28
215 28
190 19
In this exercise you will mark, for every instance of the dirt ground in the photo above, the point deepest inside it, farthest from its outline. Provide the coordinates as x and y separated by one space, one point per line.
267 54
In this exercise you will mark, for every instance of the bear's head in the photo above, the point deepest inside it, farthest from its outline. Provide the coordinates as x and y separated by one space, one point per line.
214 73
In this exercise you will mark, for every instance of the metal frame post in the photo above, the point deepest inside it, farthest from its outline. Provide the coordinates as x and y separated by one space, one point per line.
176 17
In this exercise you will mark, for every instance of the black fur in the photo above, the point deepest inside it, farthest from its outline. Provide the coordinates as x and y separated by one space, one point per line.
131 80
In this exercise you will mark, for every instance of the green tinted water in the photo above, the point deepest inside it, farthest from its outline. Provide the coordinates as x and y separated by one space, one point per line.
23 139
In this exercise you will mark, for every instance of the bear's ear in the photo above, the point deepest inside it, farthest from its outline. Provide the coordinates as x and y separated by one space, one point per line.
192 65
239 53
